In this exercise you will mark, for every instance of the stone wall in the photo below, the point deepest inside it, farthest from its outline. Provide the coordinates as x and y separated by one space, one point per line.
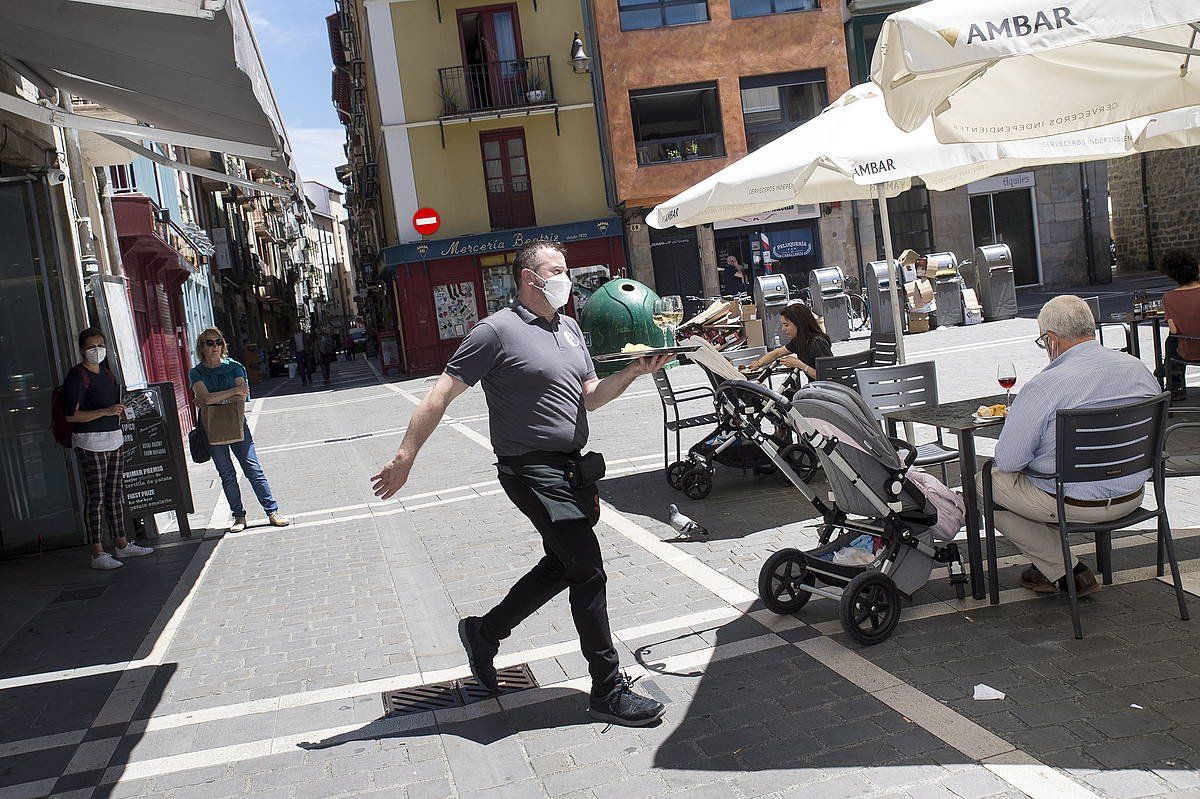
1172 179
1061 229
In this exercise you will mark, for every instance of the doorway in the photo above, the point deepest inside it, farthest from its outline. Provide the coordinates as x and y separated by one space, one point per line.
675 253
37 499
1009 217
492 56
506 176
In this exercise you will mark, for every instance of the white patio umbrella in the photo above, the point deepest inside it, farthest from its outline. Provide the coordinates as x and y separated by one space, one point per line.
853 151
998 69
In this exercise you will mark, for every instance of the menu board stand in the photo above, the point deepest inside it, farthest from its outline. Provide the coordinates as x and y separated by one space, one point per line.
156 475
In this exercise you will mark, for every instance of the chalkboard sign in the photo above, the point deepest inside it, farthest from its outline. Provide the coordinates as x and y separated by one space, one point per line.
156 477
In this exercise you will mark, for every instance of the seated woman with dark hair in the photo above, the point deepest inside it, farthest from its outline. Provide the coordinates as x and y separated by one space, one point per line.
807 341
1182 307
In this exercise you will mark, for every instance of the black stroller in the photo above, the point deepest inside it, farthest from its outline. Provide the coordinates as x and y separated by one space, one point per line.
726 445
870 495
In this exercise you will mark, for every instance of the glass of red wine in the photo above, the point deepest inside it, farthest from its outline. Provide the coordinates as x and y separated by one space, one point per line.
1006 376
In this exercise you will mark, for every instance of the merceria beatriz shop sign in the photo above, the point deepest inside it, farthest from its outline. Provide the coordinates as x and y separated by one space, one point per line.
499 241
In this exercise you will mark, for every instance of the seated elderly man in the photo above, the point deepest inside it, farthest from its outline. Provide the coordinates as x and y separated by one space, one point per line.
1081 374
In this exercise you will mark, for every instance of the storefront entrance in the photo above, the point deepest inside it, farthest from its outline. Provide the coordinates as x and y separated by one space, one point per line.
676 257
37 499
791 248
1008 217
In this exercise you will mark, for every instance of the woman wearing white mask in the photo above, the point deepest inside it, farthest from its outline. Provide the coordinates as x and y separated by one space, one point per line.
92 399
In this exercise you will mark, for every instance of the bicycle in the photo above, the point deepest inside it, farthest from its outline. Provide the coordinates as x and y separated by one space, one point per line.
858 309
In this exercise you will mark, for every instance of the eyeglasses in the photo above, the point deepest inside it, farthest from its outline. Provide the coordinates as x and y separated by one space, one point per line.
214 342
1041 340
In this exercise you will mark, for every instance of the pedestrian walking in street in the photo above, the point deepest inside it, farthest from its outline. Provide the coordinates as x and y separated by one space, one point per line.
92 404
221 386
328 352
539 383
304 357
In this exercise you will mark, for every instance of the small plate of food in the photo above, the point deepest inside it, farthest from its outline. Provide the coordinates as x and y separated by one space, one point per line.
990 414
631 351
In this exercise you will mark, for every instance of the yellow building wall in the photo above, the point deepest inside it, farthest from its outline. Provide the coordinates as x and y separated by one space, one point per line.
565 168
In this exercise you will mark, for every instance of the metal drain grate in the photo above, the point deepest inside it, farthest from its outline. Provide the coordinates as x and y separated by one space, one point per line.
79 594
440 696
511 680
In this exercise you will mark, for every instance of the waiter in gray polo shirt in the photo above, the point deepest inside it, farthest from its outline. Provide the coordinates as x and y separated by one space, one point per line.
539 383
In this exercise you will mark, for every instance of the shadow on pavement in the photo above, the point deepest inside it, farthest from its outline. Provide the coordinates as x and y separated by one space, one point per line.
64 616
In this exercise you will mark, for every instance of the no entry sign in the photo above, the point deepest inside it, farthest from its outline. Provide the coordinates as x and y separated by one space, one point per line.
427 221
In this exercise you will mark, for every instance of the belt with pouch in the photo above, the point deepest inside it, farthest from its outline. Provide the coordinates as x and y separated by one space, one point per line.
579 469
1096 503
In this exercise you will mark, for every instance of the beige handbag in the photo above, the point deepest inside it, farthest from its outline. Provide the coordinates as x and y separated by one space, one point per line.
225 423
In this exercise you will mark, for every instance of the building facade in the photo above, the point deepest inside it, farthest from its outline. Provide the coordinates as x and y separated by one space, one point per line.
691 87
484 121
329 246
1154 206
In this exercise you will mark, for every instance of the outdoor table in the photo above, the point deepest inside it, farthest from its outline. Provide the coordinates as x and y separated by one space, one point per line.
1158 321
956 418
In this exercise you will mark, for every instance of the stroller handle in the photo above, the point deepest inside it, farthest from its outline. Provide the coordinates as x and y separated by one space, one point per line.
755 387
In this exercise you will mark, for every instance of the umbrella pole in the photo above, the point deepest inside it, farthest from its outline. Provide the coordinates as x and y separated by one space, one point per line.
893 276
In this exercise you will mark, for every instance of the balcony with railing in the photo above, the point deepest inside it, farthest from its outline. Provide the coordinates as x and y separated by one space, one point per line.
496 86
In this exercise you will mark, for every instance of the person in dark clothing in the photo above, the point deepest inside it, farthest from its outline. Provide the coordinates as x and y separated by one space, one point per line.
735 277
1182 308
539 383
92 404
807 341
327 350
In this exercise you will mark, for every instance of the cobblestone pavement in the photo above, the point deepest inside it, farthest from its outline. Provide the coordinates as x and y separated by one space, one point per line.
254 664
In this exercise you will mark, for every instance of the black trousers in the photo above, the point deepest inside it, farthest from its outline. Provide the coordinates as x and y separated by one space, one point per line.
572 562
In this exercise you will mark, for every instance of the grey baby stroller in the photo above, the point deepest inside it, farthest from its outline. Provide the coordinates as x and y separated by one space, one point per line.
870 494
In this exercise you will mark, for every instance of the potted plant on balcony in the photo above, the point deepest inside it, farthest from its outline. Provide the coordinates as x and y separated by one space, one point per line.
673 154
535 89
691 149
449 101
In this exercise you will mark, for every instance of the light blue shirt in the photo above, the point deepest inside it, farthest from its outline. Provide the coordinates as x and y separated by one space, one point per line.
1085 376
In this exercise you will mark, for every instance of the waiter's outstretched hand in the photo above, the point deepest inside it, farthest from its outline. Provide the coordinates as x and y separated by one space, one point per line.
391 478
645 366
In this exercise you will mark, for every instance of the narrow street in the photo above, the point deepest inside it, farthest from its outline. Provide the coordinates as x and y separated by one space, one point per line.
255 663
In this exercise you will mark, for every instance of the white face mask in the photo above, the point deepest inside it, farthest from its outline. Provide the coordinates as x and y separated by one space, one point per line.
557 290
95 354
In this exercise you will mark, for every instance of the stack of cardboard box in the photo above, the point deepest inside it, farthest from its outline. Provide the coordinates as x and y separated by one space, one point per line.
722 324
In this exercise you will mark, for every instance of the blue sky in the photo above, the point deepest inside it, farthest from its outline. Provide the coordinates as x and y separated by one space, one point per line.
295 44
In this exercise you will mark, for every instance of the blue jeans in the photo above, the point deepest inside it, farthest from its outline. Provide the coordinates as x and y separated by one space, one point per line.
244 451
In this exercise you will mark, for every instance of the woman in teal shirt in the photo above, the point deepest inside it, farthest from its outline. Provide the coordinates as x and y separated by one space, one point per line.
217 379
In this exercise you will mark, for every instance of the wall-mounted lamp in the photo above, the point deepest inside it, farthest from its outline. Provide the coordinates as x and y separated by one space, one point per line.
581 63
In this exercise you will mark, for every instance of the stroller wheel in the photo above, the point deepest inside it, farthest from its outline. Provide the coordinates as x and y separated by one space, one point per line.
870 607
697 483
675 474
802 460
778 579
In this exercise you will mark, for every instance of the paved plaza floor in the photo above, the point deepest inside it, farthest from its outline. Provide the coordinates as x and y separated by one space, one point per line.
254 664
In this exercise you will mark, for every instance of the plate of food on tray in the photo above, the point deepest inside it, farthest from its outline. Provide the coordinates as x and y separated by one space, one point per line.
990 414
631 351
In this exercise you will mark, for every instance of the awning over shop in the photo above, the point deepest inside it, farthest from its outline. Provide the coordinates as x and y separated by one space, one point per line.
184 66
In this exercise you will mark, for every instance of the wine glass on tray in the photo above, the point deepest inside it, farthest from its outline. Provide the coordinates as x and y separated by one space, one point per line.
1006 376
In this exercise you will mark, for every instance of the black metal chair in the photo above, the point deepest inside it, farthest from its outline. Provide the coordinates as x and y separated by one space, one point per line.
1094 304
909 385
1172 360
672 399
884 345
841 368
1101 444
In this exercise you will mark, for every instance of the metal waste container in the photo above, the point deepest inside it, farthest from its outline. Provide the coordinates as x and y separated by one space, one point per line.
827 286
991 276
947 288
880 297
771 296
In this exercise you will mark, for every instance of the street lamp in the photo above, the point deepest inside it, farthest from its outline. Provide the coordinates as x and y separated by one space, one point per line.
581 63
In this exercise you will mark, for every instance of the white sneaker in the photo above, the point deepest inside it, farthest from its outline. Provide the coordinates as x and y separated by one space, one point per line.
132 550
106 561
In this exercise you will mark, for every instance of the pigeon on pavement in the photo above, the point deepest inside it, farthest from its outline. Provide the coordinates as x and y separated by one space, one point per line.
683 524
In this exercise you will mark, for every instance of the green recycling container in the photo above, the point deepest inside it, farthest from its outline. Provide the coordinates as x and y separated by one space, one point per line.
618 313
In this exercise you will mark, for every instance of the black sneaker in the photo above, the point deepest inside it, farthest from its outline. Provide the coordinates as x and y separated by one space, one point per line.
622 706
479 652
